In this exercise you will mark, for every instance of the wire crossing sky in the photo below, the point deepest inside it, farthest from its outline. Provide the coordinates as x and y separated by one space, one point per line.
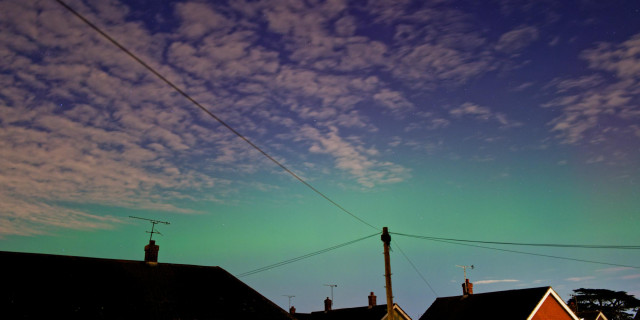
472 121
309 255
541 255
557 245
188 97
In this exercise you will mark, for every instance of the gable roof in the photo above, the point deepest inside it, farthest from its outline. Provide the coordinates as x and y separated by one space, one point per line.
591 315
510 304
52 286
377 312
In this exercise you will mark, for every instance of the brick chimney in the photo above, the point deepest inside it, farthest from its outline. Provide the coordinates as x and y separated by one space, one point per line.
467 288
292 310
372 300
151 252
327 304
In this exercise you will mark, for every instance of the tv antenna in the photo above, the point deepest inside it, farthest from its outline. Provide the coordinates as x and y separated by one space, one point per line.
332 286
153 225
465 270
289 296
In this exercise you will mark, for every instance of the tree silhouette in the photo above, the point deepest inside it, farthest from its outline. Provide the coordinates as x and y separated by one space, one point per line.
613 304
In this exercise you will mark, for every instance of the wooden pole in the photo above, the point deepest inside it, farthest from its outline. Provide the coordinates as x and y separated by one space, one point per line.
386 239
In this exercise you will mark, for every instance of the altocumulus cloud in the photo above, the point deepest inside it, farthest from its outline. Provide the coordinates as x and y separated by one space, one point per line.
84 124
595 112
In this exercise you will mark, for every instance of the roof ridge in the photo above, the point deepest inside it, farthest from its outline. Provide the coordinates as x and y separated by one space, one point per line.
34 254
502 291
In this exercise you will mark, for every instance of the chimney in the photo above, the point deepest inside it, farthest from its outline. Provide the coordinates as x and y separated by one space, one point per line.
292 310
467 288
327 304
151 252
372 300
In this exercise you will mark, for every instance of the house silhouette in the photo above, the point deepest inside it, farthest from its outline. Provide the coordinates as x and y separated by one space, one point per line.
372 311
541 303
39 286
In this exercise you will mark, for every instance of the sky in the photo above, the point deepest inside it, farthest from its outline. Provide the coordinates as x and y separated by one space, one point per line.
503 120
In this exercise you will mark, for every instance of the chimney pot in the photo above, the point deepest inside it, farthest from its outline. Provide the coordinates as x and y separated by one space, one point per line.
151 252
327 304
467 287
292 310
372 300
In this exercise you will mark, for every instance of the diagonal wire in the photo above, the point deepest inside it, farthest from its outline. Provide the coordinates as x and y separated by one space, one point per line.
555 245
415 268
308 255
537 254
211 114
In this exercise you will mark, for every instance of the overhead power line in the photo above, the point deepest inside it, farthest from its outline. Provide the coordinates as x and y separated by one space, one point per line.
395 242
321 194
537 254
211 114
308 255
555 245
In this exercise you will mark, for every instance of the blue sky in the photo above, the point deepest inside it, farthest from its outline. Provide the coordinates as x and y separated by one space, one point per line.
499 121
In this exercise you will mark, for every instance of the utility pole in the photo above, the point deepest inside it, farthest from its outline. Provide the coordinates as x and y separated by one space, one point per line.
386 240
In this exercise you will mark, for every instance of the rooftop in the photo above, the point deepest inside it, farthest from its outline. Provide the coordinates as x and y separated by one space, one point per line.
54 286
510 304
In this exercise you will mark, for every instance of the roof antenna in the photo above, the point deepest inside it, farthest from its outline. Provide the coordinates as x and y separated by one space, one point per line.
465 270
332 286
289 296
153 224
467 287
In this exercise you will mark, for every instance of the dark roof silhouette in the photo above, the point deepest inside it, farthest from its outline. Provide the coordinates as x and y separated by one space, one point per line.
510 304
361 313
39 286
364 313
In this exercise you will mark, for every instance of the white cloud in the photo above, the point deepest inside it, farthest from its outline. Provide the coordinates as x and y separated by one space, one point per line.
83 123
354 158
438 123
472 109
595 112
517 39
115 144
585 82
622 59
345 26
199 19
580 279
425 65
523 86
495 281
25 217
393 100
482 114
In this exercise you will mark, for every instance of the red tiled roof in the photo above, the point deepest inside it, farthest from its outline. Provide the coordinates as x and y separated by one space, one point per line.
588 315
510 304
